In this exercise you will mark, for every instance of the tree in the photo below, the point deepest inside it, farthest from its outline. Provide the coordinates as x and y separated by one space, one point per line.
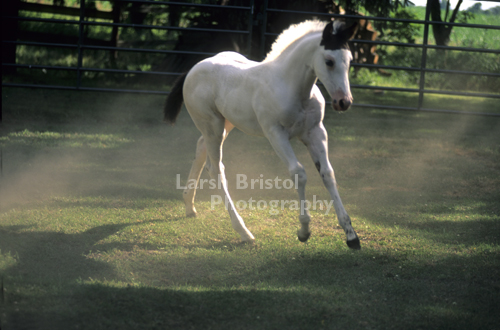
442 31
477 8
382 8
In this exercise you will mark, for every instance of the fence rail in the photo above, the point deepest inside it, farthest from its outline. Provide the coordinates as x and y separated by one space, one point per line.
82 45
422 69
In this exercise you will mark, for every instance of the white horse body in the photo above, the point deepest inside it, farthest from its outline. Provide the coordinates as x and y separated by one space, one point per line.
231 81
277 98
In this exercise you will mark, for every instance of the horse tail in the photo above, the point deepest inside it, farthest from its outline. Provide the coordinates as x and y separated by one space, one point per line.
174 101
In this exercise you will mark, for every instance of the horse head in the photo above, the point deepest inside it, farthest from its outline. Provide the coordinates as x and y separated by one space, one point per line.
332 61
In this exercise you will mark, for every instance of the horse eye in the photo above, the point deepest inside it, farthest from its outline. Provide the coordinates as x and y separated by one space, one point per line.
329 63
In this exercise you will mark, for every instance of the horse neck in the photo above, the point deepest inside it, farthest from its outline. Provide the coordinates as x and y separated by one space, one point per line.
295 65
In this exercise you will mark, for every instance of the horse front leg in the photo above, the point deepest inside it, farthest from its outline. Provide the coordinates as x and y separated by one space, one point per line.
316 141
280 141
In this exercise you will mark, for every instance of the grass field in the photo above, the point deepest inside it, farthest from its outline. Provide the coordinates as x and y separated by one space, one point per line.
93 233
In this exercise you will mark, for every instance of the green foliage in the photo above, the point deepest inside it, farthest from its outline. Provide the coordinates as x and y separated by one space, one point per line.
450 60
401 31
166 40
383 8
463 61
464 17
477 9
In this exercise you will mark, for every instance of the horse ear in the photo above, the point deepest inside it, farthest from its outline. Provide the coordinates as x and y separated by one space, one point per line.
327 33
349 33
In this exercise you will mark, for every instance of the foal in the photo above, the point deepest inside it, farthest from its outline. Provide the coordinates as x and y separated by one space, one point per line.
276 98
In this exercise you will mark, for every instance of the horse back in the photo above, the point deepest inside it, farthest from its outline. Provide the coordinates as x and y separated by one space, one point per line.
226 84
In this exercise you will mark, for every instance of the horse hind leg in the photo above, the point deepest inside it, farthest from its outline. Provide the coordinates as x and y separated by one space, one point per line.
194 177
215 167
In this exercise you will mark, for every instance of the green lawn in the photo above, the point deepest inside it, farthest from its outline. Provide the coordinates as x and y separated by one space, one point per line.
93 233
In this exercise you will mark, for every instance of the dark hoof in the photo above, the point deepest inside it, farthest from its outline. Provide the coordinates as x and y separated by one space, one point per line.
304 238
354 244
191 215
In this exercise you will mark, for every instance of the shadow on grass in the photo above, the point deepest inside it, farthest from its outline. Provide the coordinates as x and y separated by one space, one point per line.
42 256
307 291
467 233
229 285
104 307
454 222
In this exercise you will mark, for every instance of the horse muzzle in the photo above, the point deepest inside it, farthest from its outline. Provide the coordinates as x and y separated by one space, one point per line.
340 101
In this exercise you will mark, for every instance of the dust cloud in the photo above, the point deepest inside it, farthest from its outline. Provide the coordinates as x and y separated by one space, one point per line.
59 144
66 144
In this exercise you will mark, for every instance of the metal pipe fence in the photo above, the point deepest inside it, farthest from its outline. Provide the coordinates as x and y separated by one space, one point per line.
82 46
422 69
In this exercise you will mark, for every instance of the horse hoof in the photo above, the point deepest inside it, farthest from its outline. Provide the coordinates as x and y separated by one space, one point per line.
248 242
191 215
304 238
354 244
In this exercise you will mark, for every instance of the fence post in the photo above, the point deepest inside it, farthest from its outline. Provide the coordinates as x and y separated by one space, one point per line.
80 44
424 57
250 28
263 31
10 32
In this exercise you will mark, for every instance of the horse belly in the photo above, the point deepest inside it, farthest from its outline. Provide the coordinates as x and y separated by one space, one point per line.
236 92
237 109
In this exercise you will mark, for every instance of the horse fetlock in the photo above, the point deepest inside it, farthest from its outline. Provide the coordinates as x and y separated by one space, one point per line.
299 175
191 212
345 222
247 237
188 204
248 242
304 232
305 218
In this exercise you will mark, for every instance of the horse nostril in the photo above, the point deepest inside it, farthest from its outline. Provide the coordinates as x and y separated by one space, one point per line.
344 104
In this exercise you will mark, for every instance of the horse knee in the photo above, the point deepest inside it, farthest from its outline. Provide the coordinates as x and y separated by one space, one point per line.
327 174
328 178
298 175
